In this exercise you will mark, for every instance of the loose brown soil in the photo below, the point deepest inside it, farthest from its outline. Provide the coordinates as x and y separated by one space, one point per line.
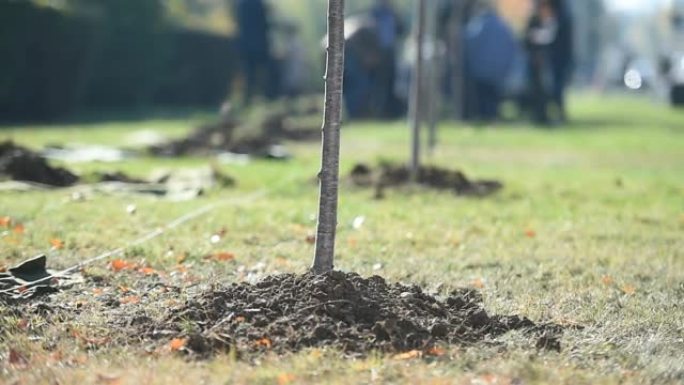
287 313
279 314
21 164
388 175
231 135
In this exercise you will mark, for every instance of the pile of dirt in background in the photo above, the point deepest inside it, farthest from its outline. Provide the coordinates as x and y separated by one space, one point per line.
287 313
262 139
21 164
388 175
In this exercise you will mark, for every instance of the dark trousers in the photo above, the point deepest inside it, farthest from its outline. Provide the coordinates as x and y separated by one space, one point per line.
259 76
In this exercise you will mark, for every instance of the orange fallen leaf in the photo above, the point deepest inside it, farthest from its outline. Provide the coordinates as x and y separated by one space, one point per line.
311 239
3 268
477 283
408 355
131 299
436 351
224 257
239 319
629 289
264 342
177 344
147 271
19 229
5 221
57 243
286 378
119 265
529 233
607 280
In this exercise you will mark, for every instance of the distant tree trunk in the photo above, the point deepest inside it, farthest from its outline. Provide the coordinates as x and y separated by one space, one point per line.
418 108
330 160
456 58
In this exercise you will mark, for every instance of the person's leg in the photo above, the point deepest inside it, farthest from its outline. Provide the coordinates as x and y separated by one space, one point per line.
538 97
559 84
250 70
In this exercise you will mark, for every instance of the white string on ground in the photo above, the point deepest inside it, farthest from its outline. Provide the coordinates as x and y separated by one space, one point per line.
143 239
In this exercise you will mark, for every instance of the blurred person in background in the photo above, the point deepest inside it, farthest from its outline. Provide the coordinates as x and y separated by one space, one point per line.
255 48
294 67
389 29
548 39
490 50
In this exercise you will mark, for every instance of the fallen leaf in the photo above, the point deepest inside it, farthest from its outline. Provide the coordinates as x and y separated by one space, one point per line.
106 379
629 289
7 221
23 324
286 378
181 258
147 271
57 244
224 256
119 265
436 351
18 359
529 233
264 342
311 239
478 283
177 344
408 355
239 319
19 229
607 280
3 268
131 299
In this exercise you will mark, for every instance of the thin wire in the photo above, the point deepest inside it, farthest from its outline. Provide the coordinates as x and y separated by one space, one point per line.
145 238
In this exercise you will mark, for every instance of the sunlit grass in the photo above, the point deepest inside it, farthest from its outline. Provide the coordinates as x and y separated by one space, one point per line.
589 230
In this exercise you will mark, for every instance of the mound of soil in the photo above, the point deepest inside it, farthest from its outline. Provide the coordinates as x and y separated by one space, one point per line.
262 140
287 313
392 175
21 164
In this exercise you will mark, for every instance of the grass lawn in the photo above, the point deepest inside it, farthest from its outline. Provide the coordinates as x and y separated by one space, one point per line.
589 230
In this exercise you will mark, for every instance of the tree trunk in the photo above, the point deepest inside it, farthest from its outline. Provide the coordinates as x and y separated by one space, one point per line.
330 159
418 107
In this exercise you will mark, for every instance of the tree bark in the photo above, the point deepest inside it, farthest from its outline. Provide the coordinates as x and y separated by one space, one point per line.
418 108
330 159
